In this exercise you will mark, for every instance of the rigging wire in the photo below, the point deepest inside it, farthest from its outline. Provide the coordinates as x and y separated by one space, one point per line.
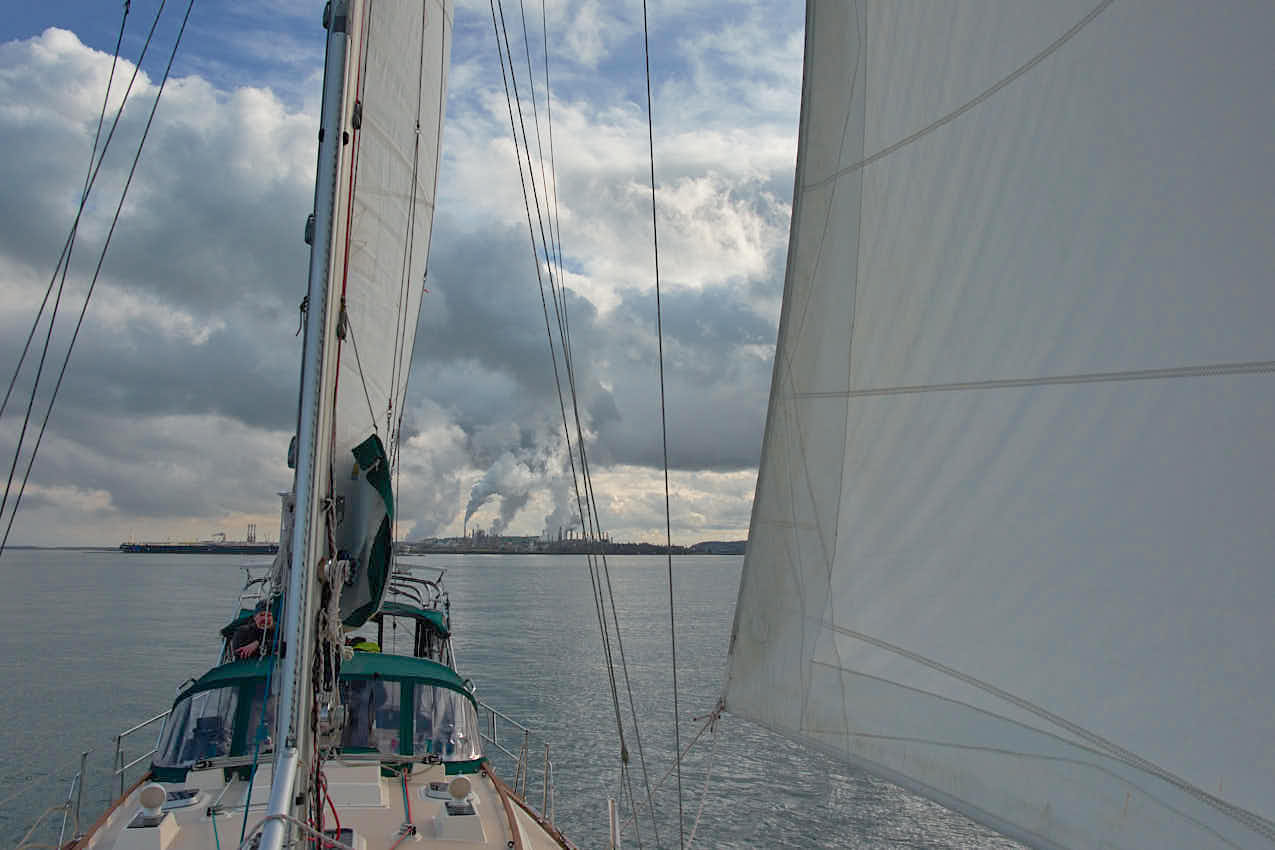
535 116
708 777
89 180
586 516
98 270
558 292
659 332
553 171
64 258
358 364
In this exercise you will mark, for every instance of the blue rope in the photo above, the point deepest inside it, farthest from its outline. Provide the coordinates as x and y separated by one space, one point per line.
261 732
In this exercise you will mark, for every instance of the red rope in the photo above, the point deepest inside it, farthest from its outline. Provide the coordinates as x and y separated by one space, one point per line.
349 217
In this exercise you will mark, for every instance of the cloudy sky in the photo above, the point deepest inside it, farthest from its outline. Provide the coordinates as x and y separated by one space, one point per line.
175 414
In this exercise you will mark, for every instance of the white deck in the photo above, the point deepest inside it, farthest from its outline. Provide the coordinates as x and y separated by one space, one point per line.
372 804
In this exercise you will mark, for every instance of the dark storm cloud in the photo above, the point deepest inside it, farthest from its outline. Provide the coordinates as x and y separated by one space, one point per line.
482 351
215 215
181 393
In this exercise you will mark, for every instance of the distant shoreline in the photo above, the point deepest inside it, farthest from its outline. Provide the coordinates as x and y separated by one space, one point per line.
532 546
565 547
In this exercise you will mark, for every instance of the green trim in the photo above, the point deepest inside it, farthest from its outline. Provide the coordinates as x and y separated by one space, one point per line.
378 570
371 457
169 774
406 716
231 673
403 668
243 708
451 768
436 619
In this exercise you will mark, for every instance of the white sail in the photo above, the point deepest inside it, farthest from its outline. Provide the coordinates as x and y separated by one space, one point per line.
395 92
1011 544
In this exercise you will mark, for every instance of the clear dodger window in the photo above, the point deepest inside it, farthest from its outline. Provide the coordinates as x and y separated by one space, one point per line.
201 726
445 725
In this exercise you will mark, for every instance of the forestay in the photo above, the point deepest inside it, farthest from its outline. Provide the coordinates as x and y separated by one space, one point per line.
395 90
1011 544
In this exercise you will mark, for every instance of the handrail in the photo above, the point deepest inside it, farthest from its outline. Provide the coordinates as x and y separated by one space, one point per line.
500 747
408 591
143 724
139 759
118 763
489 732
77 788
72 805
504 717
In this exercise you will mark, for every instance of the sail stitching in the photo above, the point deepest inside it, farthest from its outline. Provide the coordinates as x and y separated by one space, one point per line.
1005 751
861 33
1254 821
966 107
1254 367
801 467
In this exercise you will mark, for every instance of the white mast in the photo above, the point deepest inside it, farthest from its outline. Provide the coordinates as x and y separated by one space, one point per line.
381 129
292 729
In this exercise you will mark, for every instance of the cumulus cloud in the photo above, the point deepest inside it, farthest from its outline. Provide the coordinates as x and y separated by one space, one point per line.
180 398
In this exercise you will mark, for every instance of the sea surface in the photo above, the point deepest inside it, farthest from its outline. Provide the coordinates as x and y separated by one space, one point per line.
95 641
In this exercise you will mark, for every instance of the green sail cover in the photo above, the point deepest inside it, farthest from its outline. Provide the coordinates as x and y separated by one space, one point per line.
370 514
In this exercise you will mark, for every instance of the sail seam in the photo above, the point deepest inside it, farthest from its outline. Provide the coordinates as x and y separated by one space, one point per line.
1079 762
1254 367
966 107
1250 819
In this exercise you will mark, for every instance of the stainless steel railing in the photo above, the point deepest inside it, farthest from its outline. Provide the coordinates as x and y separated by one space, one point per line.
72 806
120 768
523 765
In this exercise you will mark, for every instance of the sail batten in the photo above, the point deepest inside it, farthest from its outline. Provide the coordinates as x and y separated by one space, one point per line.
1010 543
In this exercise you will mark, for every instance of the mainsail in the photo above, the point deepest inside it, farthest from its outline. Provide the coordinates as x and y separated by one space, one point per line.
1011 544
394 94
384 88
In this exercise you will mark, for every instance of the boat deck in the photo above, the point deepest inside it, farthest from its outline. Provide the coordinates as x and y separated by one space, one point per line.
447 812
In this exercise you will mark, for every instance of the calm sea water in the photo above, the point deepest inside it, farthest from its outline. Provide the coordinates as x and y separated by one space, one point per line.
95 641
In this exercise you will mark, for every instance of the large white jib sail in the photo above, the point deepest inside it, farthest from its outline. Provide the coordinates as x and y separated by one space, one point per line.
1012 543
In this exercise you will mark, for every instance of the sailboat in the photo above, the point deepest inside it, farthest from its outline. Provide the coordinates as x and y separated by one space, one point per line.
312 733
1011 545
